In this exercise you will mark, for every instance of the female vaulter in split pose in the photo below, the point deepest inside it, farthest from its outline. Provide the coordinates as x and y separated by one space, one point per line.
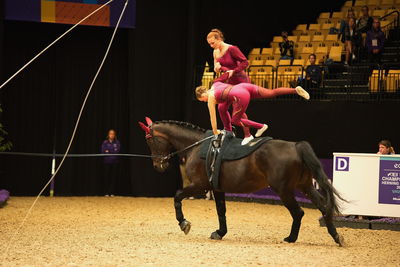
239 97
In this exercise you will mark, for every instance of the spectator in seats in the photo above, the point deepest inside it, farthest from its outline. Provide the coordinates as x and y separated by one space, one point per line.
364 23
374 42
228 60
111 163
385 148
352 40
344 24
286 47
313 73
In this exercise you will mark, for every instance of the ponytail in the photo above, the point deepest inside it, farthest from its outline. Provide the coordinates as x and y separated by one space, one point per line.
217 34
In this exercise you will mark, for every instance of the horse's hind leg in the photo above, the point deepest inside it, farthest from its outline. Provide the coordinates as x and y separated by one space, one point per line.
221 210
317 199
297 214
179 196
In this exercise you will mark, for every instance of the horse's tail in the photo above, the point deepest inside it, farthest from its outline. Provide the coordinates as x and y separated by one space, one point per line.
313 164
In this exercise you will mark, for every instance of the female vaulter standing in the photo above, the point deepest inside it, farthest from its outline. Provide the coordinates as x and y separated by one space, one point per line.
229 61
239 97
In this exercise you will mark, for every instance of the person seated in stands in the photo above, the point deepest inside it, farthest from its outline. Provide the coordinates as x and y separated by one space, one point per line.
352 39
313 73
364 23
286 47
374 42
385 148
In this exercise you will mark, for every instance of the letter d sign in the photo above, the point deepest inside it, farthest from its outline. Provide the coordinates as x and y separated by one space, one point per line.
342 164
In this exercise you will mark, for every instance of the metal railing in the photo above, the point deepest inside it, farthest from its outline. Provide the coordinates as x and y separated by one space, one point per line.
365 82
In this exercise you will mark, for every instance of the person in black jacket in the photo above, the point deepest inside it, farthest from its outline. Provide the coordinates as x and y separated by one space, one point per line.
313 73
286 47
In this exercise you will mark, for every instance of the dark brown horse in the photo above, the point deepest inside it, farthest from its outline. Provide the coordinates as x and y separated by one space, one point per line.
283 166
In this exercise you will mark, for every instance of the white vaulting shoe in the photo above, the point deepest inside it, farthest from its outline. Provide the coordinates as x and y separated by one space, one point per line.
303 93
247 139
261 131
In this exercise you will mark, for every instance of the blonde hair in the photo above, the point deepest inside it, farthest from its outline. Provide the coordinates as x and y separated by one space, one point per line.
217 34
200 90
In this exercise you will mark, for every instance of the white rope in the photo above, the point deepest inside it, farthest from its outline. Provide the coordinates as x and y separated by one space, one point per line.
55 41
72 137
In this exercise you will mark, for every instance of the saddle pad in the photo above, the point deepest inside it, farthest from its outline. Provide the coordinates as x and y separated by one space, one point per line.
233 149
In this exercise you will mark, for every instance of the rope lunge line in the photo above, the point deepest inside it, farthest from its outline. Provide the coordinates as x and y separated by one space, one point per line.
50 45
73 134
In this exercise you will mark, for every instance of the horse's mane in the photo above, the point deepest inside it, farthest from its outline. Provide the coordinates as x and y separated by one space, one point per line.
186 125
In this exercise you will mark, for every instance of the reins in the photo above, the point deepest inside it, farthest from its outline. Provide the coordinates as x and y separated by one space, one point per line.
169 156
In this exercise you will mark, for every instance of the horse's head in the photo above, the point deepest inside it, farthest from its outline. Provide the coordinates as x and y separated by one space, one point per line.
159 145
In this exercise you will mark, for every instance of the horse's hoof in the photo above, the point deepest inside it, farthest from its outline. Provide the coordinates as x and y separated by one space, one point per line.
289 239
340 240
215 236
185 226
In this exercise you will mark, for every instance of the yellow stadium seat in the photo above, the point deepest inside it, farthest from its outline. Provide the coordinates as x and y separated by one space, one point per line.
360 3
348 4
317 39
207 79
374 81
298 61
331 39
277 53
275 41
336 53
393 81
386 3
337 15
270 62
326 27
379 13
301 28
255 51
321 51
257 62
323 17
254 57
373 2
267 53
285 61
293 38
313 28
306 51
304 38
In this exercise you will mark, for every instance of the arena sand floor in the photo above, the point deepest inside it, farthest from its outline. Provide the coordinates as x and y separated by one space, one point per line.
124 231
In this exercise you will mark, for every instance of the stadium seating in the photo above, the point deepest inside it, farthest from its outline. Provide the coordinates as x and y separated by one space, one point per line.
392 81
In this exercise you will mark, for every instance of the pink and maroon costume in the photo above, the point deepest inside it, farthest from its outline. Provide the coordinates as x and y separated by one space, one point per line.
239 97
233 59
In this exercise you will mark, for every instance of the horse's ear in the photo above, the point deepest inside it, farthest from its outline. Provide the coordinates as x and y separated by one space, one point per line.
149 121
145 128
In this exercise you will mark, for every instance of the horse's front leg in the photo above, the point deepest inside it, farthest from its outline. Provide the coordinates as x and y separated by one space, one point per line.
221 210
188 191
